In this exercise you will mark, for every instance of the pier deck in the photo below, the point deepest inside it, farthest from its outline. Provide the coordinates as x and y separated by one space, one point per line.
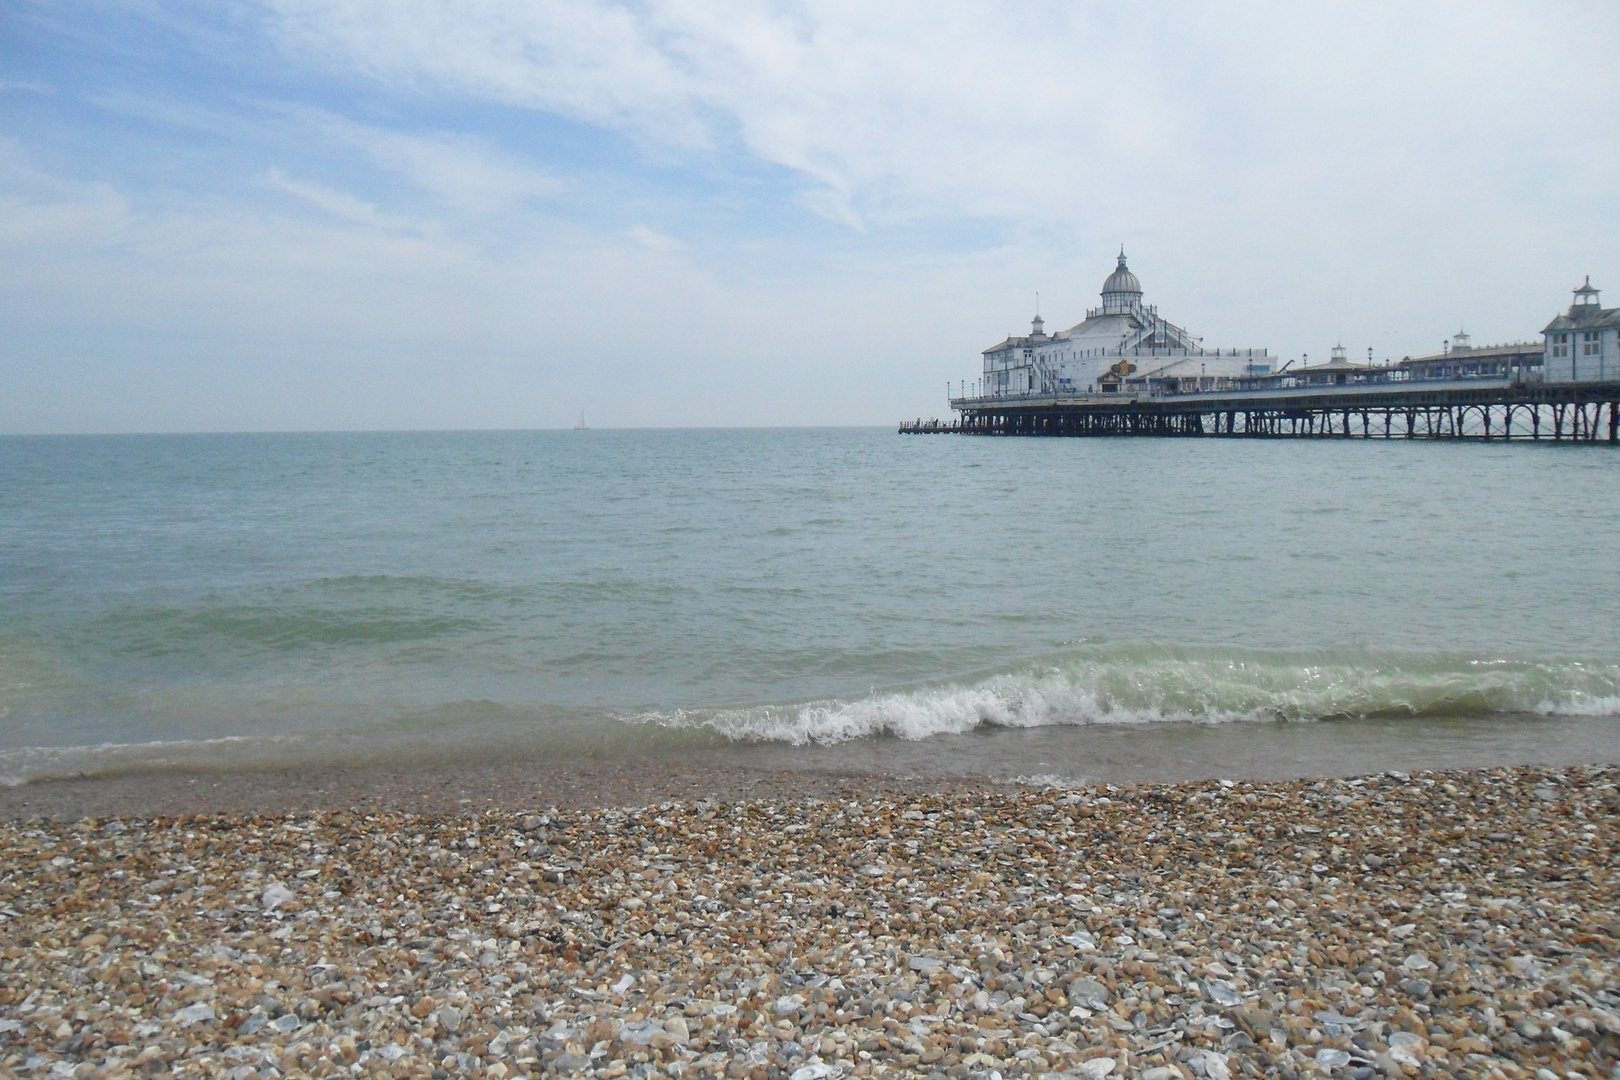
1462 409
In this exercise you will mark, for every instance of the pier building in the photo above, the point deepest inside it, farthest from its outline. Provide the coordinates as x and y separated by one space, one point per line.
1125 370
1124 345
1581 344
1338 371
1518 362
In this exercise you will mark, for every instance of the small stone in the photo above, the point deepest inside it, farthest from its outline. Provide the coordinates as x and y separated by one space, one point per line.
1088 991
448 1017
1330 1057
1096 1068
275 894
1080 940
194 1014
814 1071
639 1032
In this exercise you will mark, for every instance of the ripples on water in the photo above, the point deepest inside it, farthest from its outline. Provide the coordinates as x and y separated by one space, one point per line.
272 598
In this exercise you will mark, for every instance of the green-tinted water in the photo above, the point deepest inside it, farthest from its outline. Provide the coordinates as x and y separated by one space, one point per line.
614 592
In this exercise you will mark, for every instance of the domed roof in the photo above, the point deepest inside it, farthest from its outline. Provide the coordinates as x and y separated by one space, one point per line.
1122 280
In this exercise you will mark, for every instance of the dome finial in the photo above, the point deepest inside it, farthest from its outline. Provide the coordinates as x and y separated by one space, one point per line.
1122 255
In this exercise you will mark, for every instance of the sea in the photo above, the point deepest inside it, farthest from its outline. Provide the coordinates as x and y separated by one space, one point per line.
1046 610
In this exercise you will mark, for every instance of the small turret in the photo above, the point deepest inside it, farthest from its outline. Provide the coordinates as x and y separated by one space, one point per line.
1585 304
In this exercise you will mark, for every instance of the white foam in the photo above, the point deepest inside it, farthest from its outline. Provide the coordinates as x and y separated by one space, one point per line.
1580 704
1150 685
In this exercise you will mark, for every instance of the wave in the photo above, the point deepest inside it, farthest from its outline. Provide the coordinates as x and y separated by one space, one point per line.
1095 684
1146 684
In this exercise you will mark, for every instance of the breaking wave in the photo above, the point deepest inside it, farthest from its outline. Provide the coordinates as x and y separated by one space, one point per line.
1158 684
1085 685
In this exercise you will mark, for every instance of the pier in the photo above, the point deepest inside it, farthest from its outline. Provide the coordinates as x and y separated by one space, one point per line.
1126 370
1482 409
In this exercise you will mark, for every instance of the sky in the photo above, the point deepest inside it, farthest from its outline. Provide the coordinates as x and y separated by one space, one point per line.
248 215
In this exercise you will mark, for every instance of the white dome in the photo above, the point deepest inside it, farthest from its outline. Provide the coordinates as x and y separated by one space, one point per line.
1121 291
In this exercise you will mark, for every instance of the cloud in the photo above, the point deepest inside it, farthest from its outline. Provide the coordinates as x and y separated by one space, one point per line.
463 171
588 61
1043 112
340 204
652 239
214 313
46 214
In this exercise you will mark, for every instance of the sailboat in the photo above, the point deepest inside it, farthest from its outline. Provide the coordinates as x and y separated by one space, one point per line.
581 426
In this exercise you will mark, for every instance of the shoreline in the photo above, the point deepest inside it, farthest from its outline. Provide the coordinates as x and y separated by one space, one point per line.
1399 925
444 789
987 759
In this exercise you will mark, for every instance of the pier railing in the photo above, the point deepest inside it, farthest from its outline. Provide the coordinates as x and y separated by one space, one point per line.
1420 409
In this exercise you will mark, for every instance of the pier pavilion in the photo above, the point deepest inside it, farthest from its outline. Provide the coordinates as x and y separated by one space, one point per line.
1123 345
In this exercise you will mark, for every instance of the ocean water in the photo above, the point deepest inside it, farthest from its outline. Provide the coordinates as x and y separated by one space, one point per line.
824 598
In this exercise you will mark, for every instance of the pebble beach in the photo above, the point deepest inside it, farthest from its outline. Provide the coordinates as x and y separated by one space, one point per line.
1422 924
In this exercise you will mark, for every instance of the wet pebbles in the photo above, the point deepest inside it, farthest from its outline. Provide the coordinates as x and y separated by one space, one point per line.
1396 925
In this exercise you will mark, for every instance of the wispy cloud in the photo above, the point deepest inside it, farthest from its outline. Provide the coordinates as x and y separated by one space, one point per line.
652 239
53 215
462 170
596 62
340 204
26 87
